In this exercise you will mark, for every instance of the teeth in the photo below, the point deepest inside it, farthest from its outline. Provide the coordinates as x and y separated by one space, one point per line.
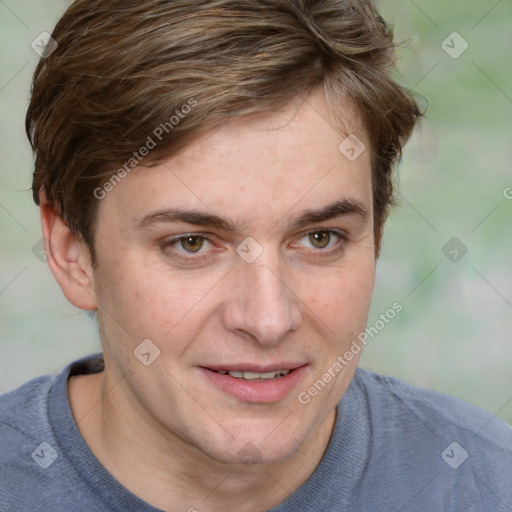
255 375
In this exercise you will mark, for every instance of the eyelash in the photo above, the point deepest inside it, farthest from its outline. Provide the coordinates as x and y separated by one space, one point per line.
183 255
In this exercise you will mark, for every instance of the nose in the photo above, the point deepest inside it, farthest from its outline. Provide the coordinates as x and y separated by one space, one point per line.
262 305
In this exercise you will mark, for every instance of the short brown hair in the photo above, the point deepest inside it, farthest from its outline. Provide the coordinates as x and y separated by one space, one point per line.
123 68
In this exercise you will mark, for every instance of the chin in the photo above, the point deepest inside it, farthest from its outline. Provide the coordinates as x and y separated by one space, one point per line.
253 450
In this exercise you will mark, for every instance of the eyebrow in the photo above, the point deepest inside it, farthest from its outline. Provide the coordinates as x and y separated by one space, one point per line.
339 208
188 217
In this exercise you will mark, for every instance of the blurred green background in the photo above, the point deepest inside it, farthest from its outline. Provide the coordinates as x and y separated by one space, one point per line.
453 334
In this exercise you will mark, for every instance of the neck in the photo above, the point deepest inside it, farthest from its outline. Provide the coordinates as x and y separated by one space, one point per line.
163 469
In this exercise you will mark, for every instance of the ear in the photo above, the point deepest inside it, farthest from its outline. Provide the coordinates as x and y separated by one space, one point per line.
68 258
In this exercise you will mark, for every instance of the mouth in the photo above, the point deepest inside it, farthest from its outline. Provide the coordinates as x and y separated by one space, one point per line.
256 384
238 374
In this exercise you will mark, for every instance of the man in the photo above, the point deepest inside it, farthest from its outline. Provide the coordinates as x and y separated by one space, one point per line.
213 179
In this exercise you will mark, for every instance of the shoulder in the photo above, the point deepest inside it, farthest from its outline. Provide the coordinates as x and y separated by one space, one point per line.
25 419
451 453
37 471
395 401
24 411
26 441
24 422
421 435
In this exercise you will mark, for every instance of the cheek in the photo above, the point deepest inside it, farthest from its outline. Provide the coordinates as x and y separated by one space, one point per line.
148 302
341 300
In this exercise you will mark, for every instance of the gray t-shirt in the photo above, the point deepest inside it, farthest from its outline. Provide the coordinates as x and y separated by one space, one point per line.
394 448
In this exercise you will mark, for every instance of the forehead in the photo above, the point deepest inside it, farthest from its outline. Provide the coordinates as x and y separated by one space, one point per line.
305 128
269 163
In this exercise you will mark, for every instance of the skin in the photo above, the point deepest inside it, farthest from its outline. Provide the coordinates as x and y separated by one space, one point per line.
296 302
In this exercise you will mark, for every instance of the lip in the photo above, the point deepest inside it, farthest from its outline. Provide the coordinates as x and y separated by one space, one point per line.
247 367
255 391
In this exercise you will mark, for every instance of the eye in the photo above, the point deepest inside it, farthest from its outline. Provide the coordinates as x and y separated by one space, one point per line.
190 243
322 239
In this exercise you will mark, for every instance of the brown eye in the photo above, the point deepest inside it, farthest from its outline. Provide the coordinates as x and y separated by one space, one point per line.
191 243
190 248
320 239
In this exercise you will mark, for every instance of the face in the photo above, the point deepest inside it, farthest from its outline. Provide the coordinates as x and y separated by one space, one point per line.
248 262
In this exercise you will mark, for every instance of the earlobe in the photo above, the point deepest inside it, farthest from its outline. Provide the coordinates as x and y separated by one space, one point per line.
68 258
